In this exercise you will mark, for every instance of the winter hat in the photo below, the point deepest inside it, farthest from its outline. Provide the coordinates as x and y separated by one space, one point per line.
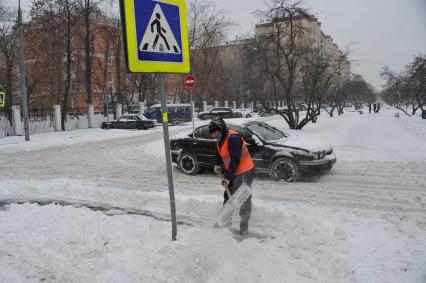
217 124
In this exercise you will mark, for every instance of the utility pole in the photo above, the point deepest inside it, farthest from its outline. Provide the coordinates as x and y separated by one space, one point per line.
22 75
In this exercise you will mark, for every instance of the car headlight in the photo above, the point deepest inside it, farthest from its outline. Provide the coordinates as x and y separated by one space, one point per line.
321 154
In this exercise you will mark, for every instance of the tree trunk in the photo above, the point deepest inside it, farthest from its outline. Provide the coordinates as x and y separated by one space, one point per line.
106 89
9 97
68 69
332 111
88 50
414 110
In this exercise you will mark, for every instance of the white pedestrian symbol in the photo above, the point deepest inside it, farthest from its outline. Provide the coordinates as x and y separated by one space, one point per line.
158 36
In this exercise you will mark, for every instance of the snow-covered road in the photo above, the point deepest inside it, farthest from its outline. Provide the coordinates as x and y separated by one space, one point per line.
365 221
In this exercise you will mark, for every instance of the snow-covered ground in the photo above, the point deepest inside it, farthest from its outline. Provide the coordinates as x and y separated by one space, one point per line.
96 210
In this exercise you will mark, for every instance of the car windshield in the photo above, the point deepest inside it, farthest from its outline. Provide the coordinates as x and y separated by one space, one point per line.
266 132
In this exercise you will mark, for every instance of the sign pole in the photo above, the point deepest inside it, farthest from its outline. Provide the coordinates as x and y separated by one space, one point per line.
192 111
163 49
109 92
189 83
168 156
22 75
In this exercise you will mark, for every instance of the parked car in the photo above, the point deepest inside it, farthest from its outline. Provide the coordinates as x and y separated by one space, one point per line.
224 112
130 121
177 113
283 156
246 113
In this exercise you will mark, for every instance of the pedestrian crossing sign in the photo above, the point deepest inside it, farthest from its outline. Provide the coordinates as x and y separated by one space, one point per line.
2 99
155 36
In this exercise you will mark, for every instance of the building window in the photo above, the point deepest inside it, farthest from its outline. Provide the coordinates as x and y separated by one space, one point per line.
109 77
74 86
109 59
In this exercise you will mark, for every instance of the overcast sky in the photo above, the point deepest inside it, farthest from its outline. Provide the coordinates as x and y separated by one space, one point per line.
379 32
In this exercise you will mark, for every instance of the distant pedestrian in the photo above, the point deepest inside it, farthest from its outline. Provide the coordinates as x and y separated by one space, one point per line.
375 107
369 108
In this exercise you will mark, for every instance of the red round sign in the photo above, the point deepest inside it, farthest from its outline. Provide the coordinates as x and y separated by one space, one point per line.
189 81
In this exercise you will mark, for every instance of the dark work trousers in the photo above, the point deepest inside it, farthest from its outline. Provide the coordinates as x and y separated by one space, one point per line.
245 210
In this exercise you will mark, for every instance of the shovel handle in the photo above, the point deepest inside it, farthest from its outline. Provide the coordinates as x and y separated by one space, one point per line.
228 192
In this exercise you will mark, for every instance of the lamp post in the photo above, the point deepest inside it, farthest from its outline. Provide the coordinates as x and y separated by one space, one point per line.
22 74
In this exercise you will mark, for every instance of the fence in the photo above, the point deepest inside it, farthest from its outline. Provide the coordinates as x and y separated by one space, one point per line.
6 128
43 121
40 121
82 121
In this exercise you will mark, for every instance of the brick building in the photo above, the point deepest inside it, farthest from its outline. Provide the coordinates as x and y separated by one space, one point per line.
46 69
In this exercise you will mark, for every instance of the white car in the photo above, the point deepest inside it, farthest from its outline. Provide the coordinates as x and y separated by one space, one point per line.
246 113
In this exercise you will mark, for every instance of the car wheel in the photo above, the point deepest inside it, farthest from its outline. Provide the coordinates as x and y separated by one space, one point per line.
248 116
284 169
188 163
106 126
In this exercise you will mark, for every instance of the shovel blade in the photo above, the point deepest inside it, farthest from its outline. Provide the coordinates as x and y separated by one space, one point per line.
224 217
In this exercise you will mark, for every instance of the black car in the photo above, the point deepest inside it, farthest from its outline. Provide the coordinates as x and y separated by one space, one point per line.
283 156
130 121
224 112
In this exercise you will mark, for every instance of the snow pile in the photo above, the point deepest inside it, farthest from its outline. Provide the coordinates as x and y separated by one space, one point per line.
299 243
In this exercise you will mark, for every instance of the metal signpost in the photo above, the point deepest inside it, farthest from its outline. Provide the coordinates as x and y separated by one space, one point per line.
156 41
189 82
22 75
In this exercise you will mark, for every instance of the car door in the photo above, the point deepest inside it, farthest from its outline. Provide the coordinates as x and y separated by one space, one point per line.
131 122
204 146
121 122
227 114
124 122
213 113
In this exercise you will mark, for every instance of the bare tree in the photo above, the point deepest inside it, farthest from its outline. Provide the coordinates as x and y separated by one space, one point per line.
359 92
284 47
207 28
417 81
90 31
111 34
320 70
396 91
407 88
8 52
68 10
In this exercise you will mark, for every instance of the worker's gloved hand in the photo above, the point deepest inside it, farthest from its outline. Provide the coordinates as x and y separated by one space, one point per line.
218 170
225 183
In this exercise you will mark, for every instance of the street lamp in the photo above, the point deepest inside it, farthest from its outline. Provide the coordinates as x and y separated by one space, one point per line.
22 74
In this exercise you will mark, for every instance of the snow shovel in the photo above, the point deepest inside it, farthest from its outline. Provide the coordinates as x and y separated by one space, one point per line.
234 202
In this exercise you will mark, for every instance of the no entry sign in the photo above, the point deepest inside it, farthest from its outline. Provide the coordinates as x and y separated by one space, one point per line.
189 81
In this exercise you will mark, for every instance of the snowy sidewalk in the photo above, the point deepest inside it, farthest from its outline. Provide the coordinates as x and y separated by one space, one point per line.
303 243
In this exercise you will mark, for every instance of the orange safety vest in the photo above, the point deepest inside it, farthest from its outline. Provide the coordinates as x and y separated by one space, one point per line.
246 163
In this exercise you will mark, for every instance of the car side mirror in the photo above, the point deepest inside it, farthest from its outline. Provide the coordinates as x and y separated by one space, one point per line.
250 140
